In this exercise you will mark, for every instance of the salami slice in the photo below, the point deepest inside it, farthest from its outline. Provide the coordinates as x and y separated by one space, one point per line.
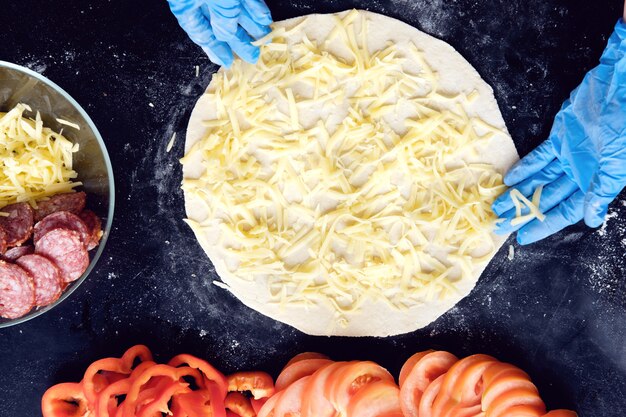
17 292
15 253
72 202
93 223
46 277
65 248
18 225
62 220
3 240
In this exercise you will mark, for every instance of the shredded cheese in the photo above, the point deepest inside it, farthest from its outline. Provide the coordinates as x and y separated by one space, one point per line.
344 209
533 206
511 254
68 123
170 144
35 162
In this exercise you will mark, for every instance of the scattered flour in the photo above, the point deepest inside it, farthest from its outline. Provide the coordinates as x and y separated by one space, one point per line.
611 215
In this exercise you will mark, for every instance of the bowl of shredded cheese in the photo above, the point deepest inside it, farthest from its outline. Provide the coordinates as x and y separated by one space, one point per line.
50 146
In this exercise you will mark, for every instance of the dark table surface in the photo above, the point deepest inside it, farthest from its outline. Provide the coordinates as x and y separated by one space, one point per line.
558 309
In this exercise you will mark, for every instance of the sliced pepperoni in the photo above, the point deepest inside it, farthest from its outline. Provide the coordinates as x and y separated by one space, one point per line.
62 220
17 292
3 240
93 223
46 277
72 202
65 248
18 225
15 253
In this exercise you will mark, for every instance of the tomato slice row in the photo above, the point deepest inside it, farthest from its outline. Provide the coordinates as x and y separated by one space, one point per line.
437 384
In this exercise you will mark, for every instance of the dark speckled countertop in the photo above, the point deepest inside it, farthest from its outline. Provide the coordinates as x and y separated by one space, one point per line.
558 309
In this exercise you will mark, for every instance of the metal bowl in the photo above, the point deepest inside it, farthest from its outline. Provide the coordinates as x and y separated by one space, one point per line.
91 162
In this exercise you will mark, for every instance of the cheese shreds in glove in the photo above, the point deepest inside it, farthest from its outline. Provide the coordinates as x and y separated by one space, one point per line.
36 162
341 178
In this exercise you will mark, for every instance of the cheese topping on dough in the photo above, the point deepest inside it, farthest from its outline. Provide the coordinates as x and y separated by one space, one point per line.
35 162
337 174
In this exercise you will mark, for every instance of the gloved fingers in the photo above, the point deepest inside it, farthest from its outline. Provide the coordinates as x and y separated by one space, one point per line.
531 164
565 214
550 173
602 191
552 195
242 46
252 26
220 53
180 6
258 11
224 18
195 23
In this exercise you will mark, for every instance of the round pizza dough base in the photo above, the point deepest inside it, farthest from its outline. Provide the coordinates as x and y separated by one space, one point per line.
375 318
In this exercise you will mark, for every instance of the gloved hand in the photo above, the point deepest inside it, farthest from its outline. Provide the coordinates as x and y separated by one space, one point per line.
222 27
582 165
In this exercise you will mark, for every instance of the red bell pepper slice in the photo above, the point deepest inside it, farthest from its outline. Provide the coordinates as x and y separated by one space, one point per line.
107 404
113 369
64 400
203 366
260 384
154 401
174 374
239 404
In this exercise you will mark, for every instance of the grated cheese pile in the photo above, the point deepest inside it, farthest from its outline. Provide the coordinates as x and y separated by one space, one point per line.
35 162
337 175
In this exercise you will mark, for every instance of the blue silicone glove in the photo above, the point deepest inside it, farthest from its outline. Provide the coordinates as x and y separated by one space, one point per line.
222 27
582 165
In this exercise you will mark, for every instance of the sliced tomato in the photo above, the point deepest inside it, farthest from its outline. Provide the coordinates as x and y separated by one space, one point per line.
64 400
297 370
515 397
428 397
468 388
526 411
290 402
472 411
507 378
260 384
455 377
350 378
315 403
376 399
428 367
268 408
561 413
305 355
409 364
239 404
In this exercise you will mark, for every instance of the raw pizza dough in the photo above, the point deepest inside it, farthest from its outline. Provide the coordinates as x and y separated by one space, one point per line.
455 78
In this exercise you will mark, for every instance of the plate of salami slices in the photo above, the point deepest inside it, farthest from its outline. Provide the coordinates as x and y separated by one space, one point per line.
56 195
